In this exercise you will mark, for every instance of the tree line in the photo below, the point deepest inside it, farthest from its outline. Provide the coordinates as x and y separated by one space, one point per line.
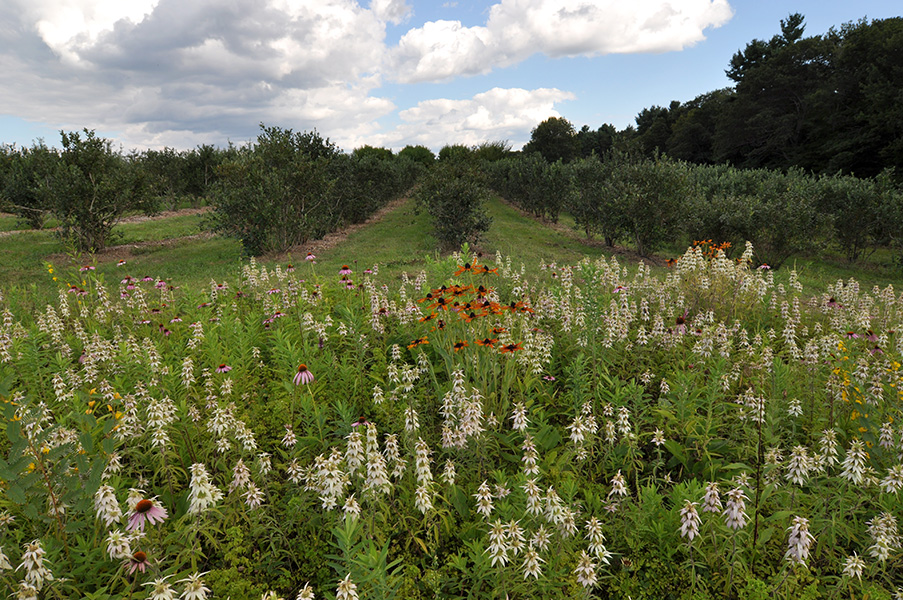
273 193
827 104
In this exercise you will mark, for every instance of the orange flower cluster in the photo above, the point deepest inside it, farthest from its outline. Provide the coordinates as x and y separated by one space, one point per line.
469 303
709 250
475 268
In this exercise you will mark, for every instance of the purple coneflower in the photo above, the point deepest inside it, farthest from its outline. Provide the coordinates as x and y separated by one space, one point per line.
311 257
345 270
147 278
137 562
303 375
146 510
86 268
121 263
223 368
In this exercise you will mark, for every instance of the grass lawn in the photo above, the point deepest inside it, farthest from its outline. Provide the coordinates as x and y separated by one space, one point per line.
400 241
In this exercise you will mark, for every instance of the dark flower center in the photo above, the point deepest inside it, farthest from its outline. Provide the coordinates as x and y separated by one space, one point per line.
143 506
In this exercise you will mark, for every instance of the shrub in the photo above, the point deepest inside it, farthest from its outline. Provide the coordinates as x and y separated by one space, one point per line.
91 188
594 204
25 171
292 187
275 194
453 194
651 193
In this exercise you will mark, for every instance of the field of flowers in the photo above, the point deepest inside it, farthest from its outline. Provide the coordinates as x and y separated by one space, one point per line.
470 431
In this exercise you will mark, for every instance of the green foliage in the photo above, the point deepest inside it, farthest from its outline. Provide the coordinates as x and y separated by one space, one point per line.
455 153
371 152
418 154
453 193
291 187
91 188
555 139
533 184
650 194
25 173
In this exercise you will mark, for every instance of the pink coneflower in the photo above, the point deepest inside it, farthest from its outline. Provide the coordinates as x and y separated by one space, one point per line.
121 262
290 268
147 278
160 284
345 270
138 562
303 375
223 368
146 510
127 280
368 271
175 320
274 291
311 257
123 295
852 335
86 268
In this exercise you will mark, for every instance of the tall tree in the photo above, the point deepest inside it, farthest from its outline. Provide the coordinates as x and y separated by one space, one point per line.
555 139
779 103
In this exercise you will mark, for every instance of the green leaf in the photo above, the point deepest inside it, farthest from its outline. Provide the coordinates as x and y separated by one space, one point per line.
16 493
677 451
13 431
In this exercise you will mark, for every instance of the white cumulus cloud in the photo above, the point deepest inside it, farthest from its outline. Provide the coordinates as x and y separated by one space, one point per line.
499 114
517 29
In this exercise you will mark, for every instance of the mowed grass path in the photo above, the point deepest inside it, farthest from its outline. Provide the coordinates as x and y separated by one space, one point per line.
180 249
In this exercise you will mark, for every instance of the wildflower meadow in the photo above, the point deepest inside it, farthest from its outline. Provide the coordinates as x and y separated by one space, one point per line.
475 430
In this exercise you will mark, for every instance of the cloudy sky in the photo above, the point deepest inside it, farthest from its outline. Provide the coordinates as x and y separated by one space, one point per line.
154 73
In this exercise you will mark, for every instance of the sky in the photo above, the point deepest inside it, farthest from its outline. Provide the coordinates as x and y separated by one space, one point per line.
150 74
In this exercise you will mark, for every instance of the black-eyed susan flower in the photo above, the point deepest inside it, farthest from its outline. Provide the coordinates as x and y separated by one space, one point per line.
460 345
418 342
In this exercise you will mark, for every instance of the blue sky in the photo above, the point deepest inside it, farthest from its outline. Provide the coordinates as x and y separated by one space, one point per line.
154 73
